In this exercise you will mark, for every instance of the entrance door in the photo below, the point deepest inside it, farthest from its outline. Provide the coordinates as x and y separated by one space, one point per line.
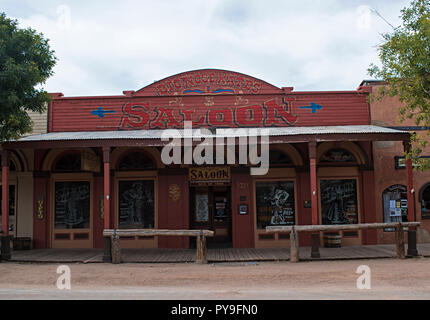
211 209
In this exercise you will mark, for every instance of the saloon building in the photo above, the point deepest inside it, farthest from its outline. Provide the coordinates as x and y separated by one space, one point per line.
98 165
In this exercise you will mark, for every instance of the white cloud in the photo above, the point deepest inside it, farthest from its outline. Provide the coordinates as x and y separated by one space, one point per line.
107 47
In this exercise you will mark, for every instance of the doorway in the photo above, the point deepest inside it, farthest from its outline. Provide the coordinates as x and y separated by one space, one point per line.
211 209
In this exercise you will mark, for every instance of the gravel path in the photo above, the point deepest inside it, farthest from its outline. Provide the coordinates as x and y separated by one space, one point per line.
390 279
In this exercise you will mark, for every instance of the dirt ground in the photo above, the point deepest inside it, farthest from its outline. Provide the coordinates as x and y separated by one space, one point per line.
390 279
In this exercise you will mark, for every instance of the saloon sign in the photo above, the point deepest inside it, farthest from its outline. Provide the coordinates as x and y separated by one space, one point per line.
273 112
209 175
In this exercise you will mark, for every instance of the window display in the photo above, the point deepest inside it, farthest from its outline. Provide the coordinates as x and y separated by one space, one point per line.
339 201
275 203
395 203
72 205
136 204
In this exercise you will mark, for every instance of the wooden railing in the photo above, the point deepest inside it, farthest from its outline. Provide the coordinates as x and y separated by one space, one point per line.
116 234
294 230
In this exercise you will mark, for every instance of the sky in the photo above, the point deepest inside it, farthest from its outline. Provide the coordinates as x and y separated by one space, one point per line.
106 47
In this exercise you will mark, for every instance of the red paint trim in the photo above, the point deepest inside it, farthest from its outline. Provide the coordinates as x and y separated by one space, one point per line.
314 191
410 185
5 199
106 198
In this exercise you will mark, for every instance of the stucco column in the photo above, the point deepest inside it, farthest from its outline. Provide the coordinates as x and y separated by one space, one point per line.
314 196
106 201
5 240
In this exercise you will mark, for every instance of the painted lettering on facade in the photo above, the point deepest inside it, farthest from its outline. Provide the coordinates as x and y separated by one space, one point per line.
274 112
208 82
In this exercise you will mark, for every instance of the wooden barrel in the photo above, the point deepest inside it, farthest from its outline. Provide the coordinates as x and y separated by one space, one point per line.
332 240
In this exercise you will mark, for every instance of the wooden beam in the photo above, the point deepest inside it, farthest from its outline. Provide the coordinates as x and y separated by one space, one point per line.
156 232
340 227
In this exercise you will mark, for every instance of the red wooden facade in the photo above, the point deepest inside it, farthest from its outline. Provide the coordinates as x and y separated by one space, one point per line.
208 98
213 103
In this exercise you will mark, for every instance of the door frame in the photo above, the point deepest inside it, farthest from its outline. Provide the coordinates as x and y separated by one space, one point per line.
211 205
71 242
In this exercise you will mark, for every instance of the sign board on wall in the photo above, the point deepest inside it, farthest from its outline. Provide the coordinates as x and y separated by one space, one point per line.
90 161
209 176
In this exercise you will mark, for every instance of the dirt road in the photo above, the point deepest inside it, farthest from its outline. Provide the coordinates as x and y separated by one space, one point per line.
389 279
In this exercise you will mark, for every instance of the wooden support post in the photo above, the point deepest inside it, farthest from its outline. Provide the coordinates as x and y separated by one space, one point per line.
116 249
5 193
314 196
107 253
400 242
201 249
106 186
294 246
5 239
412 243
410 185
314 188
315 252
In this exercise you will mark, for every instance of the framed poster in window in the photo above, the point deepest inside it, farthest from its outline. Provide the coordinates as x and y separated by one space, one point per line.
72 205
339 201
136 203
275 203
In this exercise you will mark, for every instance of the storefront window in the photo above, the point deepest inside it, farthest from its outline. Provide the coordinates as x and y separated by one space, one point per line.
395 202
136 204
339 201
72 205
275 203
425 201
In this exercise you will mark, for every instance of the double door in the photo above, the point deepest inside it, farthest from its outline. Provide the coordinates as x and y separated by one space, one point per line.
211 209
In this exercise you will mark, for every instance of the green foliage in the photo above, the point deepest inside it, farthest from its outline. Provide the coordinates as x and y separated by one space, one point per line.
26 62
405 66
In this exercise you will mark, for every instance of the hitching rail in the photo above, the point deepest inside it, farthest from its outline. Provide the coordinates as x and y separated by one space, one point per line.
294 239
116 234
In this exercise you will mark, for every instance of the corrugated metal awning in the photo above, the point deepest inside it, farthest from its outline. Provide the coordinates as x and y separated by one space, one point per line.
202 133
161 137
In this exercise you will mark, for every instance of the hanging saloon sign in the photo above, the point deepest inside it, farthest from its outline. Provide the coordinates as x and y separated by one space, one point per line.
209 176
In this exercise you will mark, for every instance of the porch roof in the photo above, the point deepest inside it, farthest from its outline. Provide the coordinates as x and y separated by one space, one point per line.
154 137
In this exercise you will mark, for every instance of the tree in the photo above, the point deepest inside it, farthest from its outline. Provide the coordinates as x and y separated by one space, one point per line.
405 67
26 62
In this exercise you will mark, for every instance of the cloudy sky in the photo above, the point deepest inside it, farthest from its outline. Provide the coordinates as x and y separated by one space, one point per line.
105 47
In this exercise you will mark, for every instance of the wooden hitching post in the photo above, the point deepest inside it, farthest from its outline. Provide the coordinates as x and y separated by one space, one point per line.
400 242
294 246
